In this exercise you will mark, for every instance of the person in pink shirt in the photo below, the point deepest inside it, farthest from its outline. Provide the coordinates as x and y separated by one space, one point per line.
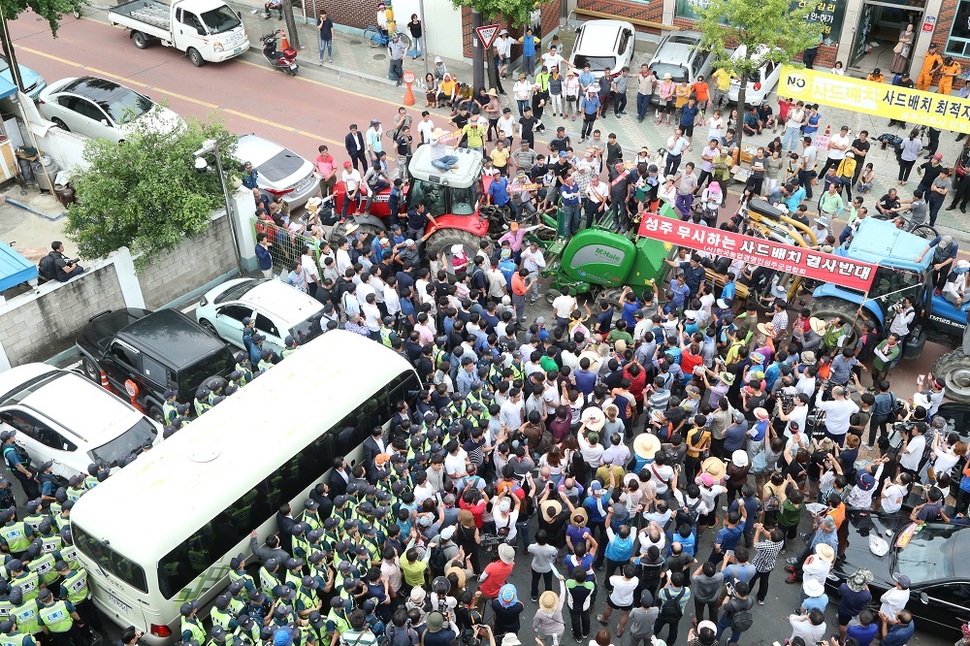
514 236
327 169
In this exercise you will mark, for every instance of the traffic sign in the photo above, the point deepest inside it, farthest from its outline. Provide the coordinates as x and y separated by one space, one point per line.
408 77
487 34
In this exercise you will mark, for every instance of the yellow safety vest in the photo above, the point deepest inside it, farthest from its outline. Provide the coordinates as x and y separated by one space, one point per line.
56 617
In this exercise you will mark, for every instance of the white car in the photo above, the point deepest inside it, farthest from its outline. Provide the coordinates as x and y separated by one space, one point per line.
606 45
764 81
280 170
102 109
278 309
63 417
679 54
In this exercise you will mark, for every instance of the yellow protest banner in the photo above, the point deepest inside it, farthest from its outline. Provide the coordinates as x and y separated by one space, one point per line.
881 99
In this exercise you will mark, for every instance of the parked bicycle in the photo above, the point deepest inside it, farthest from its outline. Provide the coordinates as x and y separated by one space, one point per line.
377 38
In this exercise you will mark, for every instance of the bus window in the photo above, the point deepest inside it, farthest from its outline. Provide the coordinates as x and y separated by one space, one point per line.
109 559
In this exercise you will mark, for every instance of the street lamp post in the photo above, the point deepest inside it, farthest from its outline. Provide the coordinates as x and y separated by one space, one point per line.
212 146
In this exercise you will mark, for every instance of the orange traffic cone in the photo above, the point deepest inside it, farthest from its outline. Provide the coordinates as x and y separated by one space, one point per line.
284 44
104 382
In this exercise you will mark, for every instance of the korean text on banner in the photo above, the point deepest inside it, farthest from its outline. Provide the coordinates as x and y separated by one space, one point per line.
880 99
785 258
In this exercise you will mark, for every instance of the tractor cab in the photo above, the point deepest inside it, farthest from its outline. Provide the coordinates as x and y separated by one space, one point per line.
454 192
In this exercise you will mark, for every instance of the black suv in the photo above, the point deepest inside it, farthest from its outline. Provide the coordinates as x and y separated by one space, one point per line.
156 350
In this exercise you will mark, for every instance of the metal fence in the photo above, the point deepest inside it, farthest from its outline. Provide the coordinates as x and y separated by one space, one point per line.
287 246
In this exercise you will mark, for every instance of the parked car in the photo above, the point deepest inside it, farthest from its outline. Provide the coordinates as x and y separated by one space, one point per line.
280 170
156 351
764 81
34 83
933 559
680 55
62 417
606 45
962 166
278 309
100 108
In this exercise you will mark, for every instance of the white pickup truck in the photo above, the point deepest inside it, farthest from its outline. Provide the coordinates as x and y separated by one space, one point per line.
206 30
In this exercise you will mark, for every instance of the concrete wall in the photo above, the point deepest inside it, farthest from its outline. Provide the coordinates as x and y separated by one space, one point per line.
45 321
195 262
37 325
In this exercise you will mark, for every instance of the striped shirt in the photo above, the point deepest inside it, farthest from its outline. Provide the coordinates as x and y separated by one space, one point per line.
766 554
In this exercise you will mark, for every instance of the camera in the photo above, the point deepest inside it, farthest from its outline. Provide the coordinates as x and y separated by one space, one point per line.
73 261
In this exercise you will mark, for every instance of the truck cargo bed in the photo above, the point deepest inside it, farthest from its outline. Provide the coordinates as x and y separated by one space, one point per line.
149 12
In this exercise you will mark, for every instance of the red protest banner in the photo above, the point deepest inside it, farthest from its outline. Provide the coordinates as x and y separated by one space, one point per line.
785 258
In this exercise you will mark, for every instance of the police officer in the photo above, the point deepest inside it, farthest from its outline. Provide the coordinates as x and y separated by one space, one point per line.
75 487
191 627
6 496
58 618
291 346
269 578
41 563
18 463
265 360
74 588
5 606
94 469
294 573
201 402
221 615
237 598
169 410
10 636
238 573
216 387
244 367
63 519
248 630
47 483
23 579
15 535
24 612
35 512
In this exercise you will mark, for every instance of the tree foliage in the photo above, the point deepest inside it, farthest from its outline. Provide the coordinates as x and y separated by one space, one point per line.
50 10
515 12
145 193
781 25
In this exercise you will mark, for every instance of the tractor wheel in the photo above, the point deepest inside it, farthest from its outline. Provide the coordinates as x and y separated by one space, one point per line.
443 240
612 295
953 369
827 308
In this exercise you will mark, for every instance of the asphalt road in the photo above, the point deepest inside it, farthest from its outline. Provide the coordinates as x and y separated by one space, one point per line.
302 113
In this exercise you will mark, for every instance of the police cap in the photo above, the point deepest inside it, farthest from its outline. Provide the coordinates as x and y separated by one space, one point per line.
222 601
314 535
168 394
293 563
311 504
15 565
202 392
271 564
236 587
310 582
316 557
331 522
337 602
188 608
60 566
6 626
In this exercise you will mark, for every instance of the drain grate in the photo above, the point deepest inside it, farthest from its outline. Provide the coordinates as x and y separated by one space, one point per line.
379 57
354 41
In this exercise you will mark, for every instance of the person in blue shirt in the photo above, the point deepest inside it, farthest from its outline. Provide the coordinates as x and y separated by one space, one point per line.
730 287
250 175
569 191
630 306
729 536
898 630
739 569
591 106
529 51
679 292
498 191
865 631
263 255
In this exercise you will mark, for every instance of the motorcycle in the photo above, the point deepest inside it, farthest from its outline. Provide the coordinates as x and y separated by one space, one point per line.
284 61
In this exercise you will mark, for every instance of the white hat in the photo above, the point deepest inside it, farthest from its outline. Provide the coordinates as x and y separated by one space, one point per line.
813 588
593 418
457 249
437 59
739 458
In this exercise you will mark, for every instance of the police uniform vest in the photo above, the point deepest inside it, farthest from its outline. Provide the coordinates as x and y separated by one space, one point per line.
90 482
76 584
43 566
5 607
201 406
222 618
385 333
28 584
247 375
437 354
307 597
169 412
51 544
236 606
33 521
15 535
250 636
287 352
62 521
192 625
300 546
55 509
267 580
293 580
312 521
215 642
340 622
26 617
12 639
69 555
73 493
264 365
246 579
56 617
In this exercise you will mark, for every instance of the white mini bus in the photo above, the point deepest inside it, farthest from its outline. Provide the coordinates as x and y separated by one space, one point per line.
162 530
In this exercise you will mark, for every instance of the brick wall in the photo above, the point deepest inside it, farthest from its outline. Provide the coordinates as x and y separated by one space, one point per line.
38 325
354 13
941 32
192 264
652 11
550 21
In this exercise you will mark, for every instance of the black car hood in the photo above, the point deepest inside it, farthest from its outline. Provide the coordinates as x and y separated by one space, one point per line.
97 334
863 524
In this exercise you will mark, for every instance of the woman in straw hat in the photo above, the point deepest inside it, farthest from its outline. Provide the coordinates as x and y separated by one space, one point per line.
548 620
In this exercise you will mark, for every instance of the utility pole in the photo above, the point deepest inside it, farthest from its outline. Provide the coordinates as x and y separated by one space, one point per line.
290 20
6 42
425 52
478 55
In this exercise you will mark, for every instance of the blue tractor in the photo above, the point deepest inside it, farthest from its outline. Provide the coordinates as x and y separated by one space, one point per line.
895 251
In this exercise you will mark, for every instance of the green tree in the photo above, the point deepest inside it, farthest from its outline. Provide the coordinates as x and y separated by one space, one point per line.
50 10
780 25
515 12
145 193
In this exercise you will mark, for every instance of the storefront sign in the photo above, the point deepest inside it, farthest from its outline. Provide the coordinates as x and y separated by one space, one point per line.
929 22
785 258
879 99
828 13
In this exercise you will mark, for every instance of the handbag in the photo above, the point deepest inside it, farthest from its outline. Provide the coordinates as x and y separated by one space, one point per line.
898 49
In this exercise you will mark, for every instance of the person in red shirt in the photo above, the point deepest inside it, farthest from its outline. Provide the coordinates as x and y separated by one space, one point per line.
638 381
496 573
521 283
471 502
327 168
701 93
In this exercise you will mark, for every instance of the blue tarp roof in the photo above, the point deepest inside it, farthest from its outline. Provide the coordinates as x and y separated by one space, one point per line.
6 88
14 268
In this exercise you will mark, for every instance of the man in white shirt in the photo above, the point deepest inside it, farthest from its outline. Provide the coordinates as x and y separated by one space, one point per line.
895 599
503 45
425 127
563 306
838 146
553 58
351 178
838 411
533 262
894 492
912 452
512 410
595 202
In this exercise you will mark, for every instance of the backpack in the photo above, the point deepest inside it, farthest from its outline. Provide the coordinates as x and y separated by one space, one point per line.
670 610
773 502
741 620
46 267
437 561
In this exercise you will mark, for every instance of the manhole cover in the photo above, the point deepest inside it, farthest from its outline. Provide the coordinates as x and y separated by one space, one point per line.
354 41
379 57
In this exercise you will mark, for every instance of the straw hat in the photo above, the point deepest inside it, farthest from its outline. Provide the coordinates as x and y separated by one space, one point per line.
808 358
768 329
817 324
350 228
492 92
714 467
668 77
727 378
550 509
593 418
646 445
458 572
549 601
825 552
579 511
760 413
438 132
417 595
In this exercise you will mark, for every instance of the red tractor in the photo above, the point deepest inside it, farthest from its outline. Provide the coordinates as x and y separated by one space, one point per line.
453 198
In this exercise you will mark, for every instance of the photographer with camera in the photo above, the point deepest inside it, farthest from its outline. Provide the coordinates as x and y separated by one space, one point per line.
57 266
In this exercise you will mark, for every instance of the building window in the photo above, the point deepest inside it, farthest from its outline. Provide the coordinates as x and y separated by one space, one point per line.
958 44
